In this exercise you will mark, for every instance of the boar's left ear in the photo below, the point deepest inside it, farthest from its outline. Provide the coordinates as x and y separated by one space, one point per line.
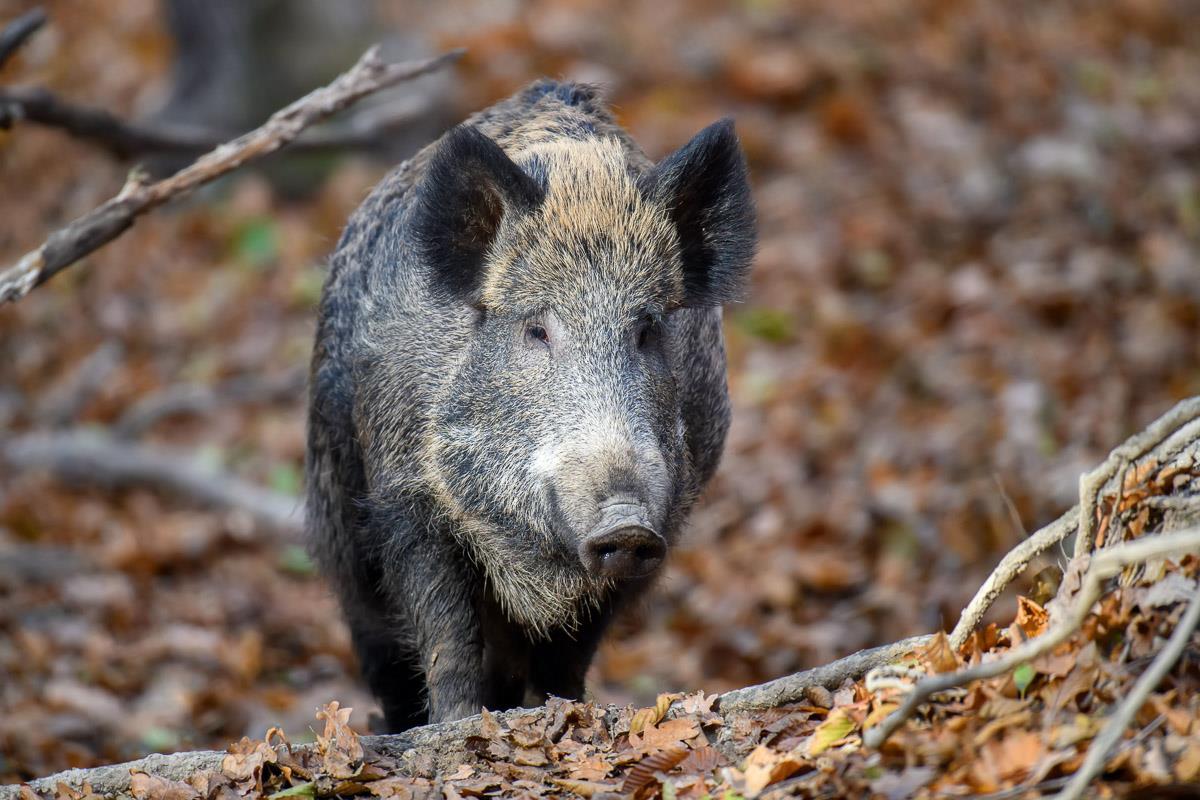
706 190
469 187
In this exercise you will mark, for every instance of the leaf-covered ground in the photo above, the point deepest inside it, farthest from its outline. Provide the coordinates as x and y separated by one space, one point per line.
978 272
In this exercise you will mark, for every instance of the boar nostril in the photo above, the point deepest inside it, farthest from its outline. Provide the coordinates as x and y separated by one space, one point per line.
621 550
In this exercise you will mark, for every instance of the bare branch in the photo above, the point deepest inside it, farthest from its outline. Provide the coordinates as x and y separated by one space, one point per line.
95 459
66 246
129 139
791 688
17 31
63 402
188 398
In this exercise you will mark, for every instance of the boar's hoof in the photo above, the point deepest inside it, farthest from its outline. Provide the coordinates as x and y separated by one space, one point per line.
622 546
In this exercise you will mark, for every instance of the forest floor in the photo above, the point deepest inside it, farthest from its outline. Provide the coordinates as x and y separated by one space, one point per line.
980 225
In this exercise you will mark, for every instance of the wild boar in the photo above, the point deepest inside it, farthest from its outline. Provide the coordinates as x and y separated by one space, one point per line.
518 390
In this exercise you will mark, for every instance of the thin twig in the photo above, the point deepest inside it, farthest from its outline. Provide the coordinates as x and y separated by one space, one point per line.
92 458
1114 728
129 139
102 225
16 32
1103 565
63 403
1012 565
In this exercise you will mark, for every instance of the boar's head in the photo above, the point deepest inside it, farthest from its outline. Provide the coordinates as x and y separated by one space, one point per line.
559 440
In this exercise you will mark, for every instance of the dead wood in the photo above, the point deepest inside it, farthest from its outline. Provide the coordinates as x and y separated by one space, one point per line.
443 746
100 226
95 459
126 139
16 32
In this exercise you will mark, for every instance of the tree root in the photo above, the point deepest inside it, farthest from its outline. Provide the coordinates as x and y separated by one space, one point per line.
442 747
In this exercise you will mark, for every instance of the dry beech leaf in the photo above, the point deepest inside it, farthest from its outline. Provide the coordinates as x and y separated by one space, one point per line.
643 718
1011 756
651 716
399 787
665 734
589 769
585 788
530 757
697 703
702 761
938 656
642 774
489 728
341 751
245 760
764 767
152 787
463 772
1032 619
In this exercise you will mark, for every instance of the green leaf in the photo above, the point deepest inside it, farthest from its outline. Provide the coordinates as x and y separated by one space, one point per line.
285 477
836 726
308 789
1023 676
294 559
256 242
157 738
668 790
769 324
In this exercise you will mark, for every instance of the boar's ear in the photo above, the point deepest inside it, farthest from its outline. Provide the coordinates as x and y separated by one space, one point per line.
706 190
469 187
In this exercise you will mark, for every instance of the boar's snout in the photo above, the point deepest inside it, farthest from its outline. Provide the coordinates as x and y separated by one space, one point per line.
622 545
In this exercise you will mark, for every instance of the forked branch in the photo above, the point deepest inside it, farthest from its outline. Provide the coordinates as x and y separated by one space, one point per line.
66 246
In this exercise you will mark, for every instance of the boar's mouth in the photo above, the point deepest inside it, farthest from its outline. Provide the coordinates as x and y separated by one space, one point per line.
622 545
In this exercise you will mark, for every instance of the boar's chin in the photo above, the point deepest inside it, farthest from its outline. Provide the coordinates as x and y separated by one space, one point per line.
538 593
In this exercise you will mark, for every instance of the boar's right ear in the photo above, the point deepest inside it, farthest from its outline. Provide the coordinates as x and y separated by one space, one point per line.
705 188
470 185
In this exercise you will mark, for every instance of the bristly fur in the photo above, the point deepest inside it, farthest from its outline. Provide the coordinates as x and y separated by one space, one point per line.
456 460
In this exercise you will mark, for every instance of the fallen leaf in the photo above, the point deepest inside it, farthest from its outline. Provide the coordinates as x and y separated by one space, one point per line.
702 761
152 787
245 761
837 726
589 769
1011 756
764 767
642 774
585 788
1032 619
665 734
341 752
938 656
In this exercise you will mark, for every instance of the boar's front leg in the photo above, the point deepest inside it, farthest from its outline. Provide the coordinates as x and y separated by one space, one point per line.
433 582
559 666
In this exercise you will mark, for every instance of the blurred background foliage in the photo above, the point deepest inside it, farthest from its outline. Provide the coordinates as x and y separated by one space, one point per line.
978 272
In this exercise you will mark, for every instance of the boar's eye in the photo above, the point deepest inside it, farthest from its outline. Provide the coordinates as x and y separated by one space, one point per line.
647 332
536 335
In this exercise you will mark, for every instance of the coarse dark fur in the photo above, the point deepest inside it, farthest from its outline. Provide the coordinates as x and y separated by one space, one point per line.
520 333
